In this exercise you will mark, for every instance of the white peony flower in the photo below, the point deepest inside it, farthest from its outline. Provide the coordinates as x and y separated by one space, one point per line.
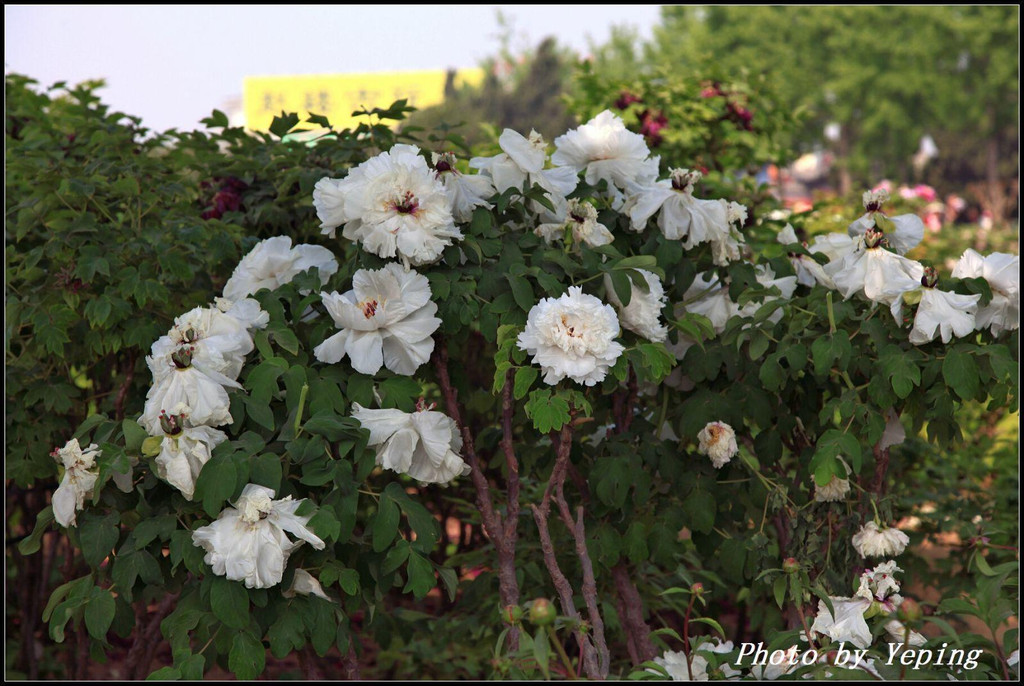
1002 271
908 228
387 319
642 315
572 336
522 162
607 150
682 217
177 380
247 311
184 450
717 440
465 192
674 663
425 445
248 543
581 220
877 273
219 342
395 206
80 474
872 541
304 583
329 201
848 624
274 262
943 314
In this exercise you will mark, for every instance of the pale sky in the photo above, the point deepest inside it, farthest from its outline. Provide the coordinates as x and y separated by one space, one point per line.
173 65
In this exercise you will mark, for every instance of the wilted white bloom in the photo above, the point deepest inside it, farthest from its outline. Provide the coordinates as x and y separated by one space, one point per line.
877 273
898 632
835 246
465 192
522 162
717 440
908 228
304 583
1002 271
219 342
395 206
80 476
274 262
1014 658
607 150
872 541
247 311
706 296
880 583
178 380
808 271
682 217
766 277
387 319
184 450
943 314
247 542
834 491
581 220
643 313
725 245
572 336
674 663
847 624
771 671
425 444
894 433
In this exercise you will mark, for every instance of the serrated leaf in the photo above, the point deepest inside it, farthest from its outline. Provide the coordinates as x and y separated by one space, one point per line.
960 372
525 376
549 413
421 575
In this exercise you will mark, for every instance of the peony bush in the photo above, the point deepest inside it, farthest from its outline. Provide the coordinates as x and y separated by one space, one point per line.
553 371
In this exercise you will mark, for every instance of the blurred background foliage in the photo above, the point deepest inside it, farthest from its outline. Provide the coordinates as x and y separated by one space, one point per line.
728 89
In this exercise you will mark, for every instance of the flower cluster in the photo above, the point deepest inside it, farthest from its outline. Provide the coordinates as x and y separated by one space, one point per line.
869 261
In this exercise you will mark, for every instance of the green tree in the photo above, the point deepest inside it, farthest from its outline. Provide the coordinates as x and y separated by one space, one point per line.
887 75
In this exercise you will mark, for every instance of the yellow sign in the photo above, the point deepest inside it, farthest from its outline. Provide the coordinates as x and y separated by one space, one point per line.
337 96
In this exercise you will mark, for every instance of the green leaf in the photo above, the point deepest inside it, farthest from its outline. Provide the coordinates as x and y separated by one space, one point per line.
99 613
960 372
779 590
827 350
384 527
216 483
247 656
98 536
522 291
623 287
549 413
134 435
450 579
900 370
348 580
525 376
396 557
700 509
711 623
266 471
229 602
286 634
421 575
165 674
32 543
284 123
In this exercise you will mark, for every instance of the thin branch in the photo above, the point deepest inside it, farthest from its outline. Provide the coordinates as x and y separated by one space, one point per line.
509 587
630 607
